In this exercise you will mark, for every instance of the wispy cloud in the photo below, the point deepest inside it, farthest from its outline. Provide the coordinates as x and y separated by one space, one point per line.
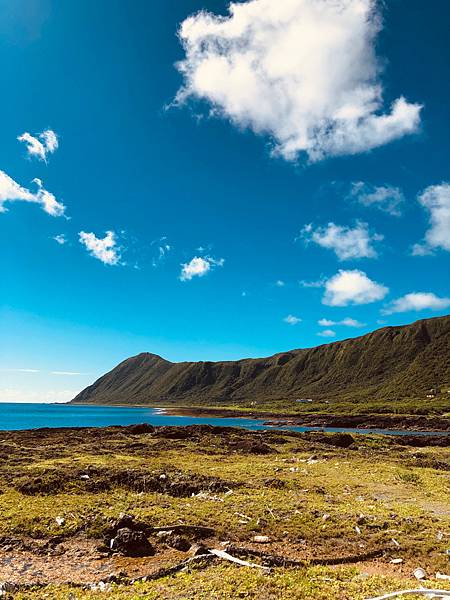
41 145
348 243
318 283
33 371
163 248
60 239
303 72
11 191
104 249
387 198
292 320
21 370
416 301
48 201
436 200
199 266
347 322
70 373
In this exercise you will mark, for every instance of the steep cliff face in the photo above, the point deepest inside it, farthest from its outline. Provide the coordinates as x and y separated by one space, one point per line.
392 362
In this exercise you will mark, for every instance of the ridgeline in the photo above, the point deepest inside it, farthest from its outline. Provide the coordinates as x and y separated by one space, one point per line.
386 369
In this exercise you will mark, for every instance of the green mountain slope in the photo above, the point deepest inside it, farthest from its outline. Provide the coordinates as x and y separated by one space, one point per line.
390 364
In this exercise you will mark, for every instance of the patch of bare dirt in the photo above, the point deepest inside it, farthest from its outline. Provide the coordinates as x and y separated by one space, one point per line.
80 560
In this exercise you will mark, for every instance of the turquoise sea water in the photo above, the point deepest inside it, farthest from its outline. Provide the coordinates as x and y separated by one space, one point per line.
32 416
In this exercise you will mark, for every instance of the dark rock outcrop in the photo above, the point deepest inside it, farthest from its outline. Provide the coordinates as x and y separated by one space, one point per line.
132 543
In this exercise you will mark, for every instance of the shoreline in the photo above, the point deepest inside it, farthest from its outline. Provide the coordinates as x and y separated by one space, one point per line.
409 423
400 422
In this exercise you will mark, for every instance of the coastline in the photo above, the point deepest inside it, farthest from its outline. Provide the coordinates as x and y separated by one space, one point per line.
410 423
401 422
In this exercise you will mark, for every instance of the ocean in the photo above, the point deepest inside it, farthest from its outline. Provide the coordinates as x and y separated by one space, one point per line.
16 416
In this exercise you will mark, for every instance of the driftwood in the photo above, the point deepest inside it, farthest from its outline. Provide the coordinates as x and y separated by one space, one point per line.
209 556
273 560
196 529
243 563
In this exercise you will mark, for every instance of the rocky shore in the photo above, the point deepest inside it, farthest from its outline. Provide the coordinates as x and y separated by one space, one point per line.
413 423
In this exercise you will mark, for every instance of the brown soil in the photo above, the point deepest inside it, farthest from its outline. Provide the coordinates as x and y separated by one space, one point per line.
77 560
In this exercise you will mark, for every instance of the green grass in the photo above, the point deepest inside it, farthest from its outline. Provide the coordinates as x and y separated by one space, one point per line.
230 583
371 493
414 406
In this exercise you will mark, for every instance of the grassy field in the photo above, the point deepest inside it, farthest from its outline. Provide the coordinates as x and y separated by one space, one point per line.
314 500
398 406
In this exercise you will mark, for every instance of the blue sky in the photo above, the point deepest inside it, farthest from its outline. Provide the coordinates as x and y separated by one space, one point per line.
274 179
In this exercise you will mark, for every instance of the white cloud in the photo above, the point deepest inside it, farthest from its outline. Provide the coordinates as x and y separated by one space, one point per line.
385 197
49 203
39 371
304 72
199 266
280 283
312 284
70 373
292 320
105 249
41 145
326 323
421 250
11 191
435 199
50 140
352 287
60 239
34 146
347 322
21 370
346 242
327 333
417 301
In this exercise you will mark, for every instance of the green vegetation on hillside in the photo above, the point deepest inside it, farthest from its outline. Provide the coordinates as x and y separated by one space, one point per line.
407 406
391 370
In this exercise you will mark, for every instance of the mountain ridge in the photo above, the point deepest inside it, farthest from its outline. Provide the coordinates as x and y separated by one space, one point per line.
389 363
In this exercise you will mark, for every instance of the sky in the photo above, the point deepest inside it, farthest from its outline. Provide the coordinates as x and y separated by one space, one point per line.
208 181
